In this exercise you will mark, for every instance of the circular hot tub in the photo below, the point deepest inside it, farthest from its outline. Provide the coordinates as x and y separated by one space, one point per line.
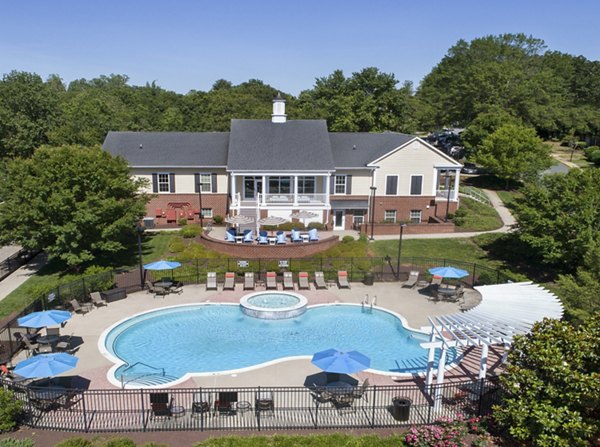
273 305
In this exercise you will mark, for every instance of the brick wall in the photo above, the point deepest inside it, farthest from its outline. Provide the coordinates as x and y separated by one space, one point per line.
185 202
422 228
287 251
403 205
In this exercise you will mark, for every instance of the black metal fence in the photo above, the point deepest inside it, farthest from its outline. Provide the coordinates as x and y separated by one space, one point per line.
257 408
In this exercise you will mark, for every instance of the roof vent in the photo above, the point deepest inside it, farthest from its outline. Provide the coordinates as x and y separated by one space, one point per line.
141 146
278 115
354 147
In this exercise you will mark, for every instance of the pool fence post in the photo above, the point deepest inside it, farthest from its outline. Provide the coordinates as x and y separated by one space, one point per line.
84 413
258 411
144 419
473 279
201 409
374 400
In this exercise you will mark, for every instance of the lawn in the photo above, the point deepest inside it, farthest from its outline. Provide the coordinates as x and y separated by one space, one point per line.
476 216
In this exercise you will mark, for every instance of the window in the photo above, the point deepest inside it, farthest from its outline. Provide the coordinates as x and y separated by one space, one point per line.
205 182
358 220
390 216
416 185
306 185
207 212
163 183
340 184
391 185
280 185
415 216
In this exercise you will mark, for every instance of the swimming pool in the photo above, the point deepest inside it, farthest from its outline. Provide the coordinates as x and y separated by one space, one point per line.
209 338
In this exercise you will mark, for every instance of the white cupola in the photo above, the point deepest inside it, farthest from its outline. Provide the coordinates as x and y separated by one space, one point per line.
278 115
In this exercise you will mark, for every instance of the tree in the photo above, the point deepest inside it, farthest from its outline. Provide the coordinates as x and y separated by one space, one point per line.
75 203
558 218
484 125
514 152
552 385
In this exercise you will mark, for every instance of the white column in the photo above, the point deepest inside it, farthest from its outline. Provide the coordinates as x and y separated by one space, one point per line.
456 183
233 180
264 190
295 190
440 379
327 180
430 360
483 361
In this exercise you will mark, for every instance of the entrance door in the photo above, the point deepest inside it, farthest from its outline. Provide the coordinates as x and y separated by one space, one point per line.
252 187
338 220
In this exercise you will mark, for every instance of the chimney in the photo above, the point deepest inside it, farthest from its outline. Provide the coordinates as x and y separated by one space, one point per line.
278 115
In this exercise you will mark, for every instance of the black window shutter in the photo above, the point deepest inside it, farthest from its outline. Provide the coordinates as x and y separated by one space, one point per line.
172 182
197 182
213 182
332 184
348 184
154 182
416 185
391 188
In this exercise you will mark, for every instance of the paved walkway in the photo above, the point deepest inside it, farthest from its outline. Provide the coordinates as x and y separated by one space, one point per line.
22 274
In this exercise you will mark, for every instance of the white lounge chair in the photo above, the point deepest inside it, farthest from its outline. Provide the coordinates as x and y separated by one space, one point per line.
343 280
320 280
288 280
211 281
271 280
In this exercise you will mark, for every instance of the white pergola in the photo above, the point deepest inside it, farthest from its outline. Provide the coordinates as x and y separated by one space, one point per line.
505 310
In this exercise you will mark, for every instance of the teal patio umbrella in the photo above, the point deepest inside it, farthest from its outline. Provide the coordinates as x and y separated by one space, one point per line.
448 272
162 265
44 318
45 365
344 362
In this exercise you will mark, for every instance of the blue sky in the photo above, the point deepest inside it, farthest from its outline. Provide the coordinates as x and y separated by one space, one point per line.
185 45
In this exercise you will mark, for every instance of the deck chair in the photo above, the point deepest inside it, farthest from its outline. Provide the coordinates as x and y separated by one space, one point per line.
225 404
436 280
264 403
343 280
162 405
262 238
64 345
171 216
343 402
433 292
303 280
249 281
230 235
288 280
359 392
249 237
53 331
413 277
149 286
295 236
312 235
211 281
201 402
159 212
229 281
160 291
281 237
320 280
190 214
78 308
32 348
97 299
271 280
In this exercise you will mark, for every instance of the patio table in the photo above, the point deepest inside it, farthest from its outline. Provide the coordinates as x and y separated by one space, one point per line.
239 239
447 292
339 388
304 237
163 284
47 339
272 240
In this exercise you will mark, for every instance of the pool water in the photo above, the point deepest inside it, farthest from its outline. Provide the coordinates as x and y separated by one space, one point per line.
213 338
273 300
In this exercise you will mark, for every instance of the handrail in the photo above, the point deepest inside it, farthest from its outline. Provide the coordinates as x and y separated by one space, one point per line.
123 382
475 194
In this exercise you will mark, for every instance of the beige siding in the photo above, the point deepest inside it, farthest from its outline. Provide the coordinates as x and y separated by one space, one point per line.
184 179
414 159
361 181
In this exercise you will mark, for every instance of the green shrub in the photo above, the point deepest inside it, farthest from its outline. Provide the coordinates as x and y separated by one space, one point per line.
347 239
218 220
75 442
287 226
581 144
181 222
10 410
98 278
317 225
119 442
10 442
177 245
595 157
588 151
190 231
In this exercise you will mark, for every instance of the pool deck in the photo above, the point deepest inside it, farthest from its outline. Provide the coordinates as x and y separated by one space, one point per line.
412 304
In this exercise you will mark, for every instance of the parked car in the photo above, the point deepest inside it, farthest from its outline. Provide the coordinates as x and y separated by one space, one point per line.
470 168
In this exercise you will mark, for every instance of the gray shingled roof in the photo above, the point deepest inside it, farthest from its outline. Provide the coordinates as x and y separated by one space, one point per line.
169 148
260 145
354 150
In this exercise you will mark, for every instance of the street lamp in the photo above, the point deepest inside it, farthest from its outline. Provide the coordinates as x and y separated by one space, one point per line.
200 203
402 225
447 183
139 229
373 189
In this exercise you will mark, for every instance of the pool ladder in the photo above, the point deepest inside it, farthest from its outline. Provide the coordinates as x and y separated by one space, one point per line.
155 377
366 303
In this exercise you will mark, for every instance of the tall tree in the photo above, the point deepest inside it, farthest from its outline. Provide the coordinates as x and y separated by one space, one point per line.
514 152
75 203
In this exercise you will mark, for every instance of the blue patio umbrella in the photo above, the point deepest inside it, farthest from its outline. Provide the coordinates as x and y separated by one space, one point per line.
44 318
162 265
348 362
46 365
448 272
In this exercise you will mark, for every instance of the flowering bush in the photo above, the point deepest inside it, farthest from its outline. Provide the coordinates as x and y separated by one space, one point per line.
446 432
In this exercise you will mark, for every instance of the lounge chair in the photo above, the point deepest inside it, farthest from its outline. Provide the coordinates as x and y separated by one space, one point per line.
433 292
288 280
343 280
264 403
262 238
343 402
171 216
230 235
64 345
271 280
303 280
359 391
281 237
160 291
201 402
78 308
248 237
211 281
32 348
312 235
295 236
225 404
249 281
177 287
436 280
159 212
97 299
320 280
229 281
413 277
162 405
190 214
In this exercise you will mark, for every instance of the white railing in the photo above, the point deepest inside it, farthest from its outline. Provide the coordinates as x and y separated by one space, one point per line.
292 199
443 193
